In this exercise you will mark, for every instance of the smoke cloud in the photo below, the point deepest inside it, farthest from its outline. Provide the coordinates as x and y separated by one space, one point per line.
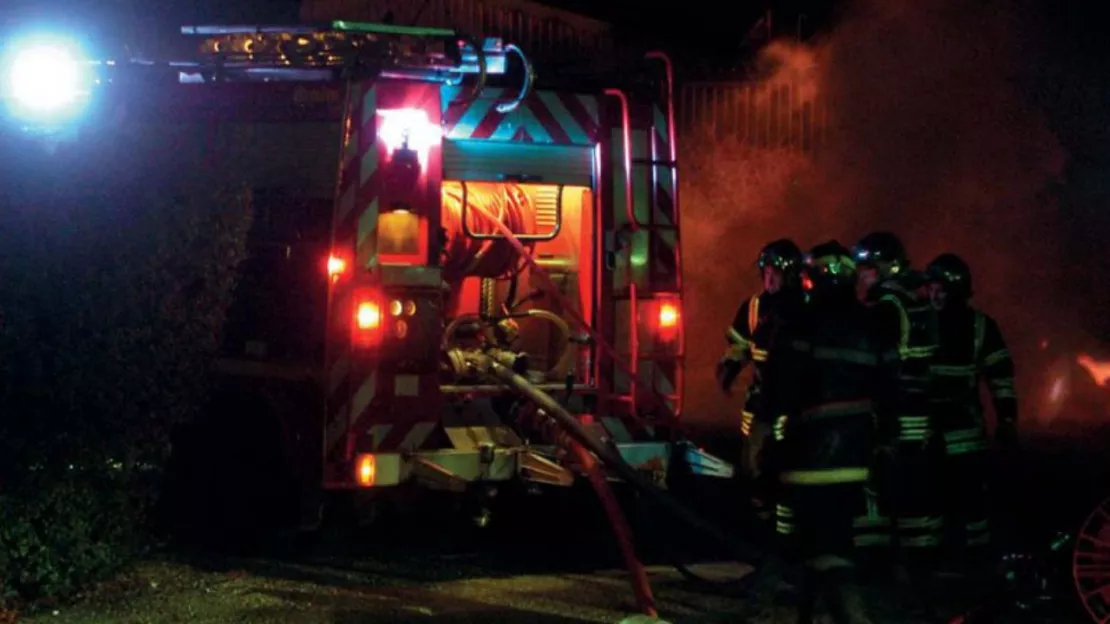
909 116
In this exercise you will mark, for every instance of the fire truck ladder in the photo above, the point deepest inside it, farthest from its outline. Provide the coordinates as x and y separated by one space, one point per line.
660 166
335 50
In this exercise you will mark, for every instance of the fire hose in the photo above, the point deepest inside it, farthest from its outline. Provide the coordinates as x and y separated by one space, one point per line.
490 366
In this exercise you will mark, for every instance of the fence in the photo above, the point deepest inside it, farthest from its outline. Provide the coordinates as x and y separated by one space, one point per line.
771 114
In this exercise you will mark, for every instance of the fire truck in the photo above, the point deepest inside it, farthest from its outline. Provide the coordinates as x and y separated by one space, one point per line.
483 261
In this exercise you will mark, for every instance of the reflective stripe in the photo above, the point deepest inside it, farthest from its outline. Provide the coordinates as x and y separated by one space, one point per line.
830 476
759 355
963 448
1002 388
978 533
780 428
1001 383
753 314
839 408
853 356
903 321
905 349
871 539
963 435
913 353
980 333
746 420
876 526
953 371
783 520
914 428
965 441
870 522
736 353
996 357
736 338
921 522
920 541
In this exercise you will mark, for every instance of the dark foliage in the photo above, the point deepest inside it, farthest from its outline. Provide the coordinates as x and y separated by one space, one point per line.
114 282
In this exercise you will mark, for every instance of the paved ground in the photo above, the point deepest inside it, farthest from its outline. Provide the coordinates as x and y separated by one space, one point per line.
455 585
555 562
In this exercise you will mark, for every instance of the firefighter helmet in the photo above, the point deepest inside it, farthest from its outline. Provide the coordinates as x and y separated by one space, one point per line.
882 248
782 254
953 275
828 267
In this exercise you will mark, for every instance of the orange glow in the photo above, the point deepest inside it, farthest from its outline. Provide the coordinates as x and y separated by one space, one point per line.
525 209
366 470
668 316
1099 370
336 266
400 233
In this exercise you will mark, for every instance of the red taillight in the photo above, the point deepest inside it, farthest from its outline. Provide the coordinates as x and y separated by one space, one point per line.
336 266
366 326
668 316
668 320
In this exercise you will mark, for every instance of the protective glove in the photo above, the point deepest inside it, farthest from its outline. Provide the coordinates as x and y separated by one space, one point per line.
727 372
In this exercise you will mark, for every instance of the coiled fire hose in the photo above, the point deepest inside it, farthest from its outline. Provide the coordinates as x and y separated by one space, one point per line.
505 206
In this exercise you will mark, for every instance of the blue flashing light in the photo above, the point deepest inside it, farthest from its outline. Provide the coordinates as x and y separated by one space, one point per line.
45 81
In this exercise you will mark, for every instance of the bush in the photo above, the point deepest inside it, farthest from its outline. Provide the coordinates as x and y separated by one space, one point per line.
113 290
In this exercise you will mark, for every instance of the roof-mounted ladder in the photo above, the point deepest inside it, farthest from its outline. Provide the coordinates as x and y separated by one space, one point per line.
335 50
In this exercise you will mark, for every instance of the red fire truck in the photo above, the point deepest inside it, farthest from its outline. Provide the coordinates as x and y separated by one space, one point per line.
429 214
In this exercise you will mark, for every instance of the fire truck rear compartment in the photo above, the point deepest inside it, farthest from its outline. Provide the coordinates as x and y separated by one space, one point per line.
493 288
489 279
498 300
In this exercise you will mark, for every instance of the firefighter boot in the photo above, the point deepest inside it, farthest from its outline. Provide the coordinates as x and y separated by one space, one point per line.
842 597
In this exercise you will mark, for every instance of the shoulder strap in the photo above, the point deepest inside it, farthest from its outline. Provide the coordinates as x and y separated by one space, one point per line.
753 314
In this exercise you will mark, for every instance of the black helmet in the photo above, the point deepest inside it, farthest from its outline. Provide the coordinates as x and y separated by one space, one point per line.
830 267
782 254
953 274
881 247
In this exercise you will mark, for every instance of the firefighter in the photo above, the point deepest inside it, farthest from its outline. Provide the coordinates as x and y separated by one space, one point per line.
833 374
749 337
906 486
972 350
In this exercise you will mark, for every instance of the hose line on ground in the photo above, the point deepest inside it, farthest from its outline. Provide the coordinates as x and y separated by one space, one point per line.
739 550
641 587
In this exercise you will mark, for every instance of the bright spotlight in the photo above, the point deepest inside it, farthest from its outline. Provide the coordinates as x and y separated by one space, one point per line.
45 80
